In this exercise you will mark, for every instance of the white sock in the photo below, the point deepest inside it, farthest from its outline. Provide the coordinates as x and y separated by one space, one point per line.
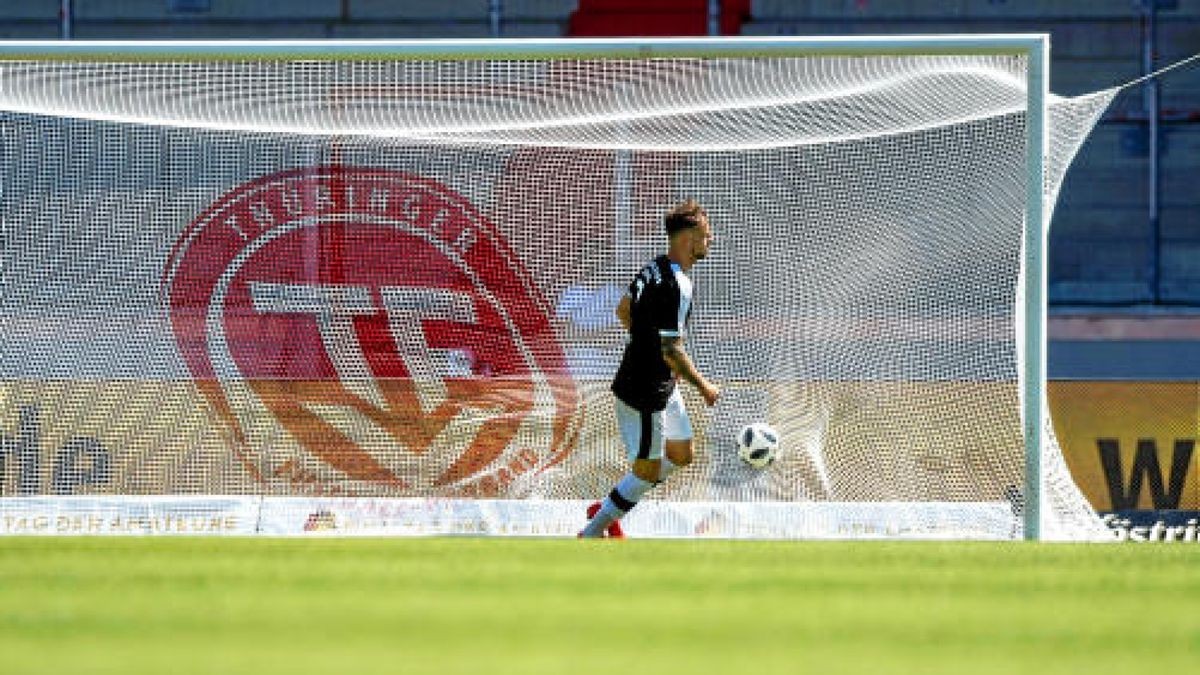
629 490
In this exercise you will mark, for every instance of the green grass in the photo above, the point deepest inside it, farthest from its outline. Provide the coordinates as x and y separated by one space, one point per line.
157 605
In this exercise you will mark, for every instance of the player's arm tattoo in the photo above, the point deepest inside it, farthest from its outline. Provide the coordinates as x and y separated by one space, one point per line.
679 361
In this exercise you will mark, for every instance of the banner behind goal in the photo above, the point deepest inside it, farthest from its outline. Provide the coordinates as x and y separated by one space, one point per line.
369 287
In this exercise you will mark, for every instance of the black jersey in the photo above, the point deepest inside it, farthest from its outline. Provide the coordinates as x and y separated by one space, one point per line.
661 304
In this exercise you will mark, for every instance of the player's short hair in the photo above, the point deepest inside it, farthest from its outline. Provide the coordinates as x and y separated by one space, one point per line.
684 216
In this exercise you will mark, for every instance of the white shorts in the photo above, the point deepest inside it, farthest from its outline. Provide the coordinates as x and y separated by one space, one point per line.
644 432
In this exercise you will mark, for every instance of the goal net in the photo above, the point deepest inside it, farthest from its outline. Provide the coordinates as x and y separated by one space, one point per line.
375 294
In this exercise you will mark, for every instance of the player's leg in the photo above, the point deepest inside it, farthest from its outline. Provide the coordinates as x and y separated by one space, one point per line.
677 430
642 433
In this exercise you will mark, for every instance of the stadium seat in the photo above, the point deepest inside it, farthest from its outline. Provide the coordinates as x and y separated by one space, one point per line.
603 18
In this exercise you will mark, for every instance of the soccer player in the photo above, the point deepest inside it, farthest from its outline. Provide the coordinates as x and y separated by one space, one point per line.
653 422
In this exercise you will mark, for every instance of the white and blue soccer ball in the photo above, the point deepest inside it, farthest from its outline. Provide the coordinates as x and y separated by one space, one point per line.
758 444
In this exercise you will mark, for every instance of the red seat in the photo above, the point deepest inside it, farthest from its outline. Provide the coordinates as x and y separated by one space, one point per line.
639 6
646 24
615 18
730 7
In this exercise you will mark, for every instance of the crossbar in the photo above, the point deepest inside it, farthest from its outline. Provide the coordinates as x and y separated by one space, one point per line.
538 49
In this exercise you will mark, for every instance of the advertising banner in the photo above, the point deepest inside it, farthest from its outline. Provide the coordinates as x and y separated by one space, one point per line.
128 516
1130 445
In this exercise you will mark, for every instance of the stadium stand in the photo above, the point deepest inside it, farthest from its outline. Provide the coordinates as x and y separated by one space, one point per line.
199 19
1103 249
1101 246
1112 313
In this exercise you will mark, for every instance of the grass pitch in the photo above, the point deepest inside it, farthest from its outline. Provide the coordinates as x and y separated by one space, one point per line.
357 606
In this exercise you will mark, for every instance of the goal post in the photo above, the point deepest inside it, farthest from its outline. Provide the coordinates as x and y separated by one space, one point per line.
290 367
1035 281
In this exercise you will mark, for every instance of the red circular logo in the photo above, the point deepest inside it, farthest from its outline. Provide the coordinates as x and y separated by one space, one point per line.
366 331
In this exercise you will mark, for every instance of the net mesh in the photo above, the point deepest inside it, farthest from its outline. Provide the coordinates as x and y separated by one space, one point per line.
381 293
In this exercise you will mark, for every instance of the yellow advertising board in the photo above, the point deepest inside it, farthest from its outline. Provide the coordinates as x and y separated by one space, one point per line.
849 441
1130 445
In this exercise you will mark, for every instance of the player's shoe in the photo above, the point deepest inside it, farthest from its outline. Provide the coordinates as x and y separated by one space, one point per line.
614 530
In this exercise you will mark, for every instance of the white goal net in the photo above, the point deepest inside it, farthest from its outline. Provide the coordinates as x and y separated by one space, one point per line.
376 295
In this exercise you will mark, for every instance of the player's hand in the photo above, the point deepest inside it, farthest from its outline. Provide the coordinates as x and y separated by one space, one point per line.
710 392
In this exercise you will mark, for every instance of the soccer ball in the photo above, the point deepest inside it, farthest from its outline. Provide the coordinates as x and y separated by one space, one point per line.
758 444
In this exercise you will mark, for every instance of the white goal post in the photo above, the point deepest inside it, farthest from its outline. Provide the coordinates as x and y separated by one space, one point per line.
45 85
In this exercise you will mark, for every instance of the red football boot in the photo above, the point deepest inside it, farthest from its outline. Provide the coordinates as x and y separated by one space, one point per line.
614 530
